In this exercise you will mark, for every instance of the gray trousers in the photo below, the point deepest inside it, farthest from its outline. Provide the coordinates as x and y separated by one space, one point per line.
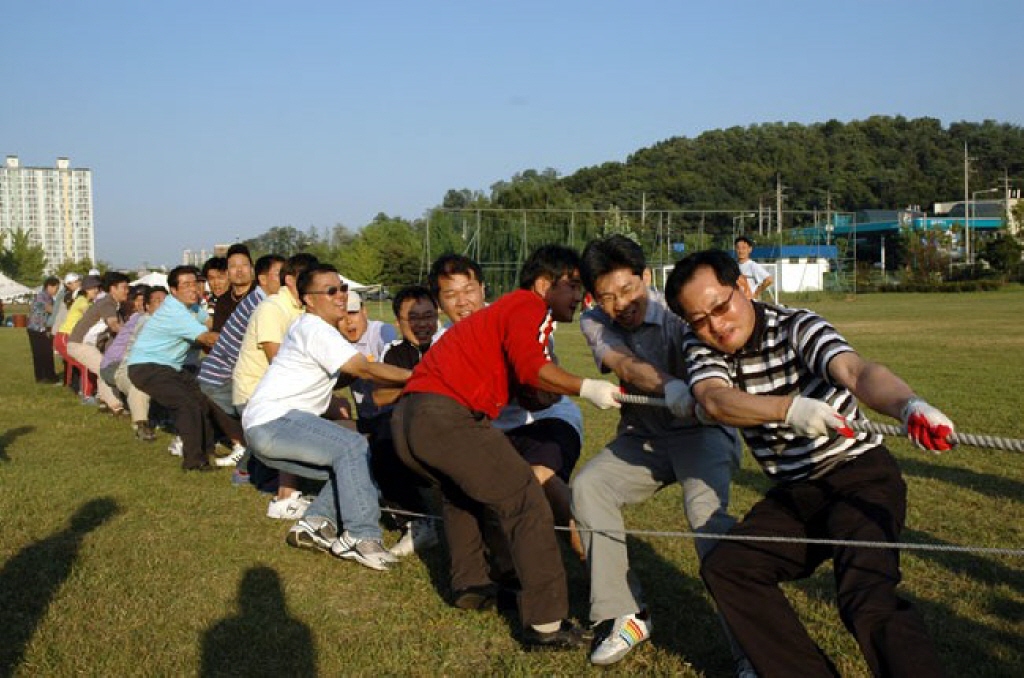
629 471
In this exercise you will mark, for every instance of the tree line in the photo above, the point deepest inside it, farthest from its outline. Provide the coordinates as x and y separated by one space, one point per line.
883 162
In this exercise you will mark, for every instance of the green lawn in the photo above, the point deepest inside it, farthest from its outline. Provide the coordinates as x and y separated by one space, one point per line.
114 562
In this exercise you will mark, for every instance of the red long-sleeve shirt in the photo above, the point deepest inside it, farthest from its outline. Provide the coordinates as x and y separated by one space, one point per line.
472 360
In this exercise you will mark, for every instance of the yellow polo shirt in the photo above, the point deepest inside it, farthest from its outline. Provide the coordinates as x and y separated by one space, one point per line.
269 322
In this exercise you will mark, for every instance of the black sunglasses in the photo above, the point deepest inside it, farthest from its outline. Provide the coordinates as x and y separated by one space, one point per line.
332 290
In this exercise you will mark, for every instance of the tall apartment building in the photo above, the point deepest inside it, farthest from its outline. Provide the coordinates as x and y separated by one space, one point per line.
53 205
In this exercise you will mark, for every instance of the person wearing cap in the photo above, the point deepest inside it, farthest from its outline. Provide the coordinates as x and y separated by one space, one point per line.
87 293
72 283
371 338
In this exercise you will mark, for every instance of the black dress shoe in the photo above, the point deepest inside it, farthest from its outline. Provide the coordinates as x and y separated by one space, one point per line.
567 637
476 597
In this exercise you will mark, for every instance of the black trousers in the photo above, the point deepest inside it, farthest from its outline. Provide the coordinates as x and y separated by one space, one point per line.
41 344
191 409
863 499
476 466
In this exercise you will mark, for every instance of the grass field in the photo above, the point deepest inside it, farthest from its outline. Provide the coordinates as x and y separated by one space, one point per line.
113 562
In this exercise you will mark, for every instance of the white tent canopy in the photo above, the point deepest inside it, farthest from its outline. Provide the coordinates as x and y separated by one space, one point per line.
357 286
12 289
153 278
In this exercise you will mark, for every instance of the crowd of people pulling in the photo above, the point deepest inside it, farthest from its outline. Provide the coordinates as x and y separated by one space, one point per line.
472 414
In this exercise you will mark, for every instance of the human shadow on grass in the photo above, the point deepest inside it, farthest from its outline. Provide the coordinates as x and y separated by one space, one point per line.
987 569
987 484
10 436
34 575
263 639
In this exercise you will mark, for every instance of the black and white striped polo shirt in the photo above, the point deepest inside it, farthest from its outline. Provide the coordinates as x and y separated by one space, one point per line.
788 353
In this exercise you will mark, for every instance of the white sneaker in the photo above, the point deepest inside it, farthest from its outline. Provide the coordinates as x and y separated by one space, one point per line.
176 448
368 552
622 635
417 537
291 507
237 452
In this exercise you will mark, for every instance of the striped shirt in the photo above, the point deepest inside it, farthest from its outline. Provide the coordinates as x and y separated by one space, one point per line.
788 353
217 367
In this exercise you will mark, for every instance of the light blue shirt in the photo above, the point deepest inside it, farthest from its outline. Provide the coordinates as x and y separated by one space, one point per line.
168 335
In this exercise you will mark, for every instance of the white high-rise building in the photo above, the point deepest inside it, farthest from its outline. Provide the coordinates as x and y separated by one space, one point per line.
53 205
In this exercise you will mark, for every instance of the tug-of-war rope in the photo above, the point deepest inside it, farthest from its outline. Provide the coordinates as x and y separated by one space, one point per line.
972 439
993 442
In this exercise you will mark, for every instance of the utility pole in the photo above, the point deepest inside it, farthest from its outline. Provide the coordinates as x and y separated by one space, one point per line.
967 207
778 202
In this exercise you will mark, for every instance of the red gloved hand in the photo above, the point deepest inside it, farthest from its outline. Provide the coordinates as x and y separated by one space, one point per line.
927 427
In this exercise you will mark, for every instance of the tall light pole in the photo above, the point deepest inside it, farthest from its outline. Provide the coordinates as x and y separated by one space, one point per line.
740 218
970 214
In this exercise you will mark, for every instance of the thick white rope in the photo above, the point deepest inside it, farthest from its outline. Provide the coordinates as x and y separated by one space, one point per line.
972 439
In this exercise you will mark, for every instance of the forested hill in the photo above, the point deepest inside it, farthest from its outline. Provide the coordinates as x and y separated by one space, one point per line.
881 162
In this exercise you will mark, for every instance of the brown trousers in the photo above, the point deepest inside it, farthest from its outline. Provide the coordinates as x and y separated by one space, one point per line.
476 465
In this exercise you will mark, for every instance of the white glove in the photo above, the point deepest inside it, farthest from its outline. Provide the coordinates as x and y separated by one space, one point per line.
600 393
927 427
815 418
678 399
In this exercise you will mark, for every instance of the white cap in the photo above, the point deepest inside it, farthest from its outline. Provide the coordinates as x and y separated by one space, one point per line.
70 278
355 302
94 271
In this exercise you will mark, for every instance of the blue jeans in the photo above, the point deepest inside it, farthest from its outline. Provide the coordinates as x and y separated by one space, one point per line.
311 447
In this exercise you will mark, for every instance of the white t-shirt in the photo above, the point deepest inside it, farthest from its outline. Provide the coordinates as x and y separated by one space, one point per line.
755 273
303 373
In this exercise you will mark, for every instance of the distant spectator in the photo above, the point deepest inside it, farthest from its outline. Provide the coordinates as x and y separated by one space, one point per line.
756 278
39 338
240 284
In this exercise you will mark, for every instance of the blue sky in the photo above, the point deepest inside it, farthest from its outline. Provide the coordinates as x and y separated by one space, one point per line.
204 122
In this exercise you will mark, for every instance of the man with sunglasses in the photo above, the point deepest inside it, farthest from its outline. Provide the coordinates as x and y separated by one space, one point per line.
285 429
632 333
791 383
